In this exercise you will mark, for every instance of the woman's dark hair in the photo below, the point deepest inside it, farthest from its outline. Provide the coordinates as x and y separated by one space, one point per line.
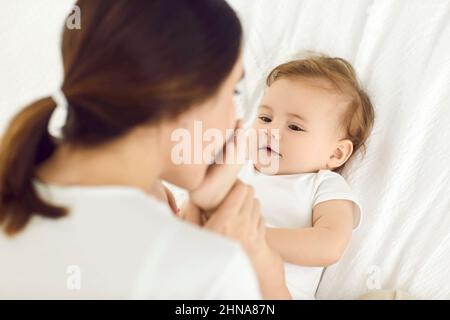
133 62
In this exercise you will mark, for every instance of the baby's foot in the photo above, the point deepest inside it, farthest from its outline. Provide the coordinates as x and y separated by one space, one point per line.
221 176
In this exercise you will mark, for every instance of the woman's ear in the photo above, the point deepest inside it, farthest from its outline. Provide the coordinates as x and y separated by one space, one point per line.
342 151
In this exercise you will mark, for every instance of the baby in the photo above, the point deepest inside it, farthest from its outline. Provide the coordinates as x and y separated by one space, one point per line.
314 116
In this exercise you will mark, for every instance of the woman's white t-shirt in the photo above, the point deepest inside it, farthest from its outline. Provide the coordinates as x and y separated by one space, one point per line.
120 243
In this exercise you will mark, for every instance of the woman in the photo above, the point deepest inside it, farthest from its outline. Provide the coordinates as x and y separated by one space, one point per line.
80 213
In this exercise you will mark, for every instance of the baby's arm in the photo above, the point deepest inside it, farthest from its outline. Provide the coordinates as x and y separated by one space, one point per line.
321 245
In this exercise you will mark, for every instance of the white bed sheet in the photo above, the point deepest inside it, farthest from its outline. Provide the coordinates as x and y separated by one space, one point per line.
401 51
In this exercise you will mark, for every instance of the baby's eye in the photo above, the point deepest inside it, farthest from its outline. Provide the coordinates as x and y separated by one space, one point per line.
237 92
294 127
265 119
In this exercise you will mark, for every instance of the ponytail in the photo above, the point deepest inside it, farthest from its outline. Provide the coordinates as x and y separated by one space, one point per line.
24 145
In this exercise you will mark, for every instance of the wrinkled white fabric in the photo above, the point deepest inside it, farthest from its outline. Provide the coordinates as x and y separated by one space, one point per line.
401 52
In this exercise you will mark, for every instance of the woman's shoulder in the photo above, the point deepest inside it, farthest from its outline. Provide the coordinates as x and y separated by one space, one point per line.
137 214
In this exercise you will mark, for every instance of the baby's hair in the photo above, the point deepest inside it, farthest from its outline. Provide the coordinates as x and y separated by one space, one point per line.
359 117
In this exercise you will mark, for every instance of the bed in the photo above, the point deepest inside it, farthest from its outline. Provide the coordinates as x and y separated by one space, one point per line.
401 52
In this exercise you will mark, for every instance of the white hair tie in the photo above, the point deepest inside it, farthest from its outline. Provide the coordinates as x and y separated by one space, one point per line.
59 116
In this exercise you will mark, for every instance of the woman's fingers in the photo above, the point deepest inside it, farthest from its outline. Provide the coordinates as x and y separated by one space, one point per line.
256 213
260 224
247 205
261 229
254 226
233 202
239 218
191 213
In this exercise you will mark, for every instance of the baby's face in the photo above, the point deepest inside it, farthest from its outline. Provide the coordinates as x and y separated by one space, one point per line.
308 118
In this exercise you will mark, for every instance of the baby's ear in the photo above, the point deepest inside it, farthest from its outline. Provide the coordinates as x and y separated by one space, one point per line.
342 151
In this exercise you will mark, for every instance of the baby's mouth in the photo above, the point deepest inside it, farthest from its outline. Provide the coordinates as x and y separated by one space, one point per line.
270 151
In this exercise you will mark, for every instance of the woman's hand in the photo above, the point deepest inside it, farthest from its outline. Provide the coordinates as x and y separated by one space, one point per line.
270 270
238 217
192 213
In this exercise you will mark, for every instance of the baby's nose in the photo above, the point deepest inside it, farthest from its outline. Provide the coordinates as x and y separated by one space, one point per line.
273 133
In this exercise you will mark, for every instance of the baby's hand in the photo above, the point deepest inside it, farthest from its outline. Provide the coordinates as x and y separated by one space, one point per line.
220 177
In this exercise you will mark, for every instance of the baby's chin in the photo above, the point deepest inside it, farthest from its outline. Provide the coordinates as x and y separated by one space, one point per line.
269 169
279 169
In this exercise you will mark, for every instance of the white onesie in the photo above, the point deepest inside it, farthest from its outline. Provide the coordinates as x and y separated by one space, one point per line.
287 201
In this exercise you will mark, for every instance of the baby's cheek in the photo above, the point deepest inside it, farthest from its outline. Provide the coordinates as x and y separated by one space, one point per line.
301 154
298 155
